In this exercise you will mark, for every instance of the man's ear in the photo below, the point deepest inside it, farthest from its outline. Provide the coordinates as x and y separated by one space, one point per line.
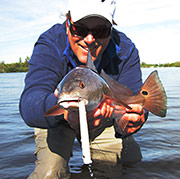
67 26
67 21
67 30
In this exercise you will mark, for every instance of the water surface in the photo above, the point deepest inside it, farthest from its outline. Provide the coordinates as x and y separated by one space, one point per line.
159 138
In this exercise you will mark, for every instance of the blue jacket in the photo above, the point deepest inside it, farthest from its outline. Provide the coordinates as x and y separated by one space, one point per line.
53 58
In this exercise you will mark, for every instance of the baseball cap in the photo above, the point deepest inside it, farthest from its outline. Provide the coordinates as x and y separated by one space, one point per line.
86 8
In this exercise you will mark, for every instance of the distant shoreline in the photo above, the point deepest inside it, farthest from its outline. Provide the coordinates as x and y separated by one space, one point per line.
175 64
15 67
24 66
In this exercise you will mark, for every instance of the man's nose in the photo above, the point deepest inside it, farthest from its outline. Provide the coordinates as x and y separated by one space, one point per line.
89 39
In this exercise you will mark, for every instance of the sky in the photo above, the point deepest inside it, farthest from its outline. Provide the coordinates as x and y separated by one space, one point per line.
153 25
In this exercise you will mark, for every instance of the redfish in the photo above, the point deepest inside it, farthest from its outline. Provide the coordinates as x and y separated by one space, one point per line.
84 83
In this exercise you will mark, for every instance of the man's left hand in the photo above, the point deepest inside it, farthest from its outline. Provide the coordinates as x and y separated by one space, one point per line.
134 118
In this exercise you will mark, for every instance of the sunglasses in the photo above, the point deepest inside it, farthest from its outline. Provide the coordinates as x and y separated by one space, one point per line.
80 31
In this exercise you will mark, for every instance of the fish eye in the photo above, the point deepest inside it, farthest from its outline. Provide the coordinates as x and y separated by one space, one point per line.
82 85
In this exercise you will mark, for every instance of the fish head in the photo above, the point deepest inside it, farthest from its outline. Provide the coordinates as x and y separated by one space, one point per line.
81 83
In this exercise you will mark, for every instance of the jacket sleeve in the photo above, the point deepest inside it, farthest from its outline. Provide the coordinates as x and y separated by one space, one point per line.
45 72
130 71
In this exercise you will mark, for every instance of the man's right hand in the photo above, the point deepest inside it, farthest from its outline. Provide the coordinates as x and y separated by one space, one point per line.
97 117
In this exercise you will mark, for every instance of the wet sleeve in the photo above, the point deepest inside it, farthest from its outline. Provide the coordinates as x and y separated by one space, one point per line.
45 72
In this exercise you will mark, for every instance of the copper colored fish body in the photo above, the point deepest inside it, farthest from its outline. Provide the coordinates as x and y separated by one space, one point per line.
84 83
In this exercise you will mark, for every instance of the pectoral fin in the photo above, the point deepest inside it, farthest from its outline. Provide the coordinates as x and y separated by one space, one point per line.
123 124
119 90
119 111
55 111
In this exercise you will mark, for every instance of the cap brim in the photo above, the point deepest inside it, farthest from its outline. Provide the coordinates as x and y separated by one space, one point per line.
94 15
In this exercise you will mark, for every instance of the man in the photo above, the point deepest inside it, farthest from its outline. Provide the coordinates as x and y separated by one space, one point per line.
88 26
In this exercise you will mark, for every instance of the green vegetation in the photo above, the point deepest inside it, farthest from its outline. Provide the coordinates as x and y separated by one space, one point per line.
15 67
24 67
175 64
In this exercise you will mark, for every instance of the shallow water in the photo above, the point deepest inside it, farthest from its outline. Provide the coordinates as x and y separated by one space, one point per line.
159 138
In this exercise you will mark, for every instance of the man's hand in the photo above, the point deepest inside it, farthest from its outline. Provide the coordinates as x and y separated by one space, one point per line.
133 119
102 112
97 117
56 92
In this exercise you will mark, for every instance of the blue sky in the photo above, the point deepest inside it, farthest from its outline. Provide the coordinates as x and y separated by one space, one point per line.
153 25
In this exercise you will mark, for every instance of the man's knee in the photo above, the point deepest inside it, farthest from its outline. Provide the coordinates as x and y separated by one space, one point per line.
50 167
50 164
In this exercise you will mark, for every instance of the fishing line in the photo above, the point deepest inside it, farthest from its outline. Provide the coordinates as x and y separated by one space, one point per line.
103 154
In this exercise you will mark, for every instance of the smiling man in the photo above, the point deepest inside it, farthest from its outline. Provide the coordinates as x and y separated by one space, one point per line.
90 33
88 26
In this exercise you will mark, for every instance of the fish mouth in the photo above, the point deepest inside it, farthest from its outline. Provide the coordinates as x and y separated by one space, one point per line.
71 103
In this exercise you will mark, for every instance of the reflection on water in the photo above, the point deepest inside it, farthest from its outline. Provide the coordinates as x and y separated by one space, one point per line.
159 138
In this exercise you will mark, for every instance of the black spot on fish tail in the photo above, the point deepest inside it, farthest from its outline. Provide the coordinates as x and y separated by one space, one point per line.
145 93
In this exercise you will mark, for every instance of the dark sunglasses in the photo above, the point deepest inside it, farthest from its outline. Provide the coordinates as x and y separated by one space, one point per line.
80 31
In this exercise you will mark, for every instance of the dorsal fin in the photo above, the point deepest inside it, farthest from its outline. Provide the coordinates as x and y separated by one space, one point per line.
90 63
119 90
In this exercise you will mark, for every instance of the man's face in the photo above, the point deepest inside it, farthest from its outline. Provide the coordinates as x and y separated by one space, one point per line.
92 39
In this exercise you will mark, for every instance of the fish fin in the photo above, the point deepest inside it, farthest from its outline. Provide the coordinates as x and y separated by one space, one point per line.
119 111
155 99
123 124
55 111
119 90
90 63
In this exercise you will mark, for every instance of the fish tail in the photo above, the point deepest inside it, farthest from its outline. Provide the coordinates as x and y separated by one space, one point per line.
155 99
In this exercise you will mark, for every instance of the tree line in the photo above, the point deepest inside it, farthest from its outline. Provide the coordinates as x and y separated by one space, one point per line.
15 67
175 64
24 67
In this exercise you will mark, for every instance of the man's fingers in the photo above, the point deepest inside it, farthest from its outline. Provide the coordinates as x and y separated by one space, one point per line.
107 111
135 120
97 113
56 92
136 108
132 130
133 117
103 109
111 111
